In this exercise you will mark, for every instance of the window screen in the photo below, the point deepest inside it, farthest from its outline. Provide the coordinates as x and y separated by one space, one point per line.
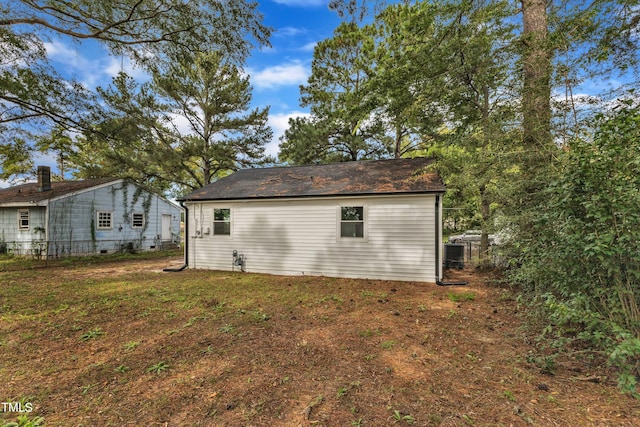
352 221
222 222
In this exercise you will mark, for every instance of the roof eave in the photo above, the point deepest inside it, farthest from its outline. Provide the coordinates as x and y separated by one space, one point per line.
318 196
30 204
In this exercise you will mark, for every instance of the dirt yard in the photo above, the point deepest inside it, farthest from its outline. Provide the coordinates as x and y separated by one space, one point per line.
123 343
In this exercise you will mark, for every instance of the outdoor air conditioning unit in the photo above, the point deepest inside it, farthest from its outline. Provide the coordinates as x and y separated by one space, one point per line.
454 255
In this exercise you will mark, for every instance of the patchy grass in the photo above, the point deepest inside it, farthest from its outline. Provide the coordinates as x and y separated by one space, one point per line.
461 296
120 342
18 263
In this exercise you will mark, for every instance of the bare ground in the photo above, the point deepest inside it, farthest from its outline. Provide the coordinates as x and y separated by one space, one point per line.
126 344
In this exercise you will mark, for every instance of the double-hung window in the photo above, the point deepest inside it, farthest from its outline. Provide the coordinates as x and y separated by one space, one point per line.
222 222
352 221
23 219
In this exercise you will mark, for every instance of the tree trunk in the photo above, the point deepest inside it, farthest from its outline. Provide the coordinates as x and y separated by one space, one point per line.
536 99
398 146
485 200
206 172
485 211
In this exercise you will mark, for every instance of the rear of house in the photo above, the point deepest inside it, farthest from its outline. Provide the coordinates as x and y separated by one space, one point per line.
371 219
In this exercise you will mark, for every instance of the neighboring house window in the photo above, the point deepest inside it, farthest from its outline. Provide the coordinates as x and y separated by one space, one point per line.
137 220
23 219
352 221
222 222
105 221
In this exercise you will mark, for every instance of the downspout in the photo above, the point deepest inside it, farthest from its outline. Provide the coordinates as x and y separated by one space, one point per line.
46 232
186 242
437 239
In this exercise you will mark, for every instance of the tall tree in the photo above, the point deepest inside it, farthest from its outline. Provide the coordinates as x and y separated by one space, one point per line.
356 11
61 144
151 32
479 87
537 69
565 44
411 65
444 80
339 100
188 126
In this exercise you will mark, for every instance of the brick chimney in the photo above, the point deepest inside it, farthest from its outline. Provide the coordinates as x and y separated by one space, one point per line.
44 178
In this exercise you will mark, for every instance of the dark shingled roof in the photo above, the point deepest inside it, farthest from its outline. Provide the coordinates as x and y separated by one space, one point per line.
339 179
29 194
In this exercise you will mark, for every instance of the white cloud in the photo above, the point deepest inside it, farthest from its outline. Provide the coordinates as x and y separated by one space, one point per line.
291 74
181 124
116 65
576 100
90 72
280 123
309 47
74 63
56 49
289 32
301 2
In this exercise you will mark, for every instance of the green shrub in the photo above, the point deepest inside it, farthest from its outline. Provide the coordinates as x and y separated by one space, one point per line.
582 270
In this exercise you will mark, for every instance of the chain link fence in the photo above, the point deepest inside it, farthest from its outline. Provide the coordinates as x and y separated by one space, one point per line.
461 254
45 249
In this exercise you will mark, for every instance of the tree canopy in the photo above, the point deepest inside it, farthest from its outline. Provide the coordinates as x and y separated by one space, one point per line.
153 33
338 96
184 128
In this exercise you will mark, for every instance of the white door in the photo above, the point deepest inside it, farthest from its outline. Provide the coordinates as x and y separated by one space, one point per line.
166 228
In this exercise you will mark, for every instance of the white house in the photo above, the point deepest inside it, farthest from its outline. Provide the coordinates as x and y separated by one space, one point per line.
84 217
368 219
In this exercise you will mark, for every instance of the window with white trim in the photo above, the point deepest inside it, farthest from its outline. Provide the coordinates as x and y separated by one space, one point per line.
23 219
352 221
222 222
105 220
137 220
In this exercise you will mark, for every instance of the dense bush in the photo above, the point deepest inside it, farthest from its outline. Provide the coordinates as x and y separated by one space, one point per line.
583 268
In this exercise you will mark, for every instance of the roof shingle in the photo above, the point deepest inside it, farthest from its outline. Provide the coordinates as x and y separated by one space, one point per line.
339 179
29 194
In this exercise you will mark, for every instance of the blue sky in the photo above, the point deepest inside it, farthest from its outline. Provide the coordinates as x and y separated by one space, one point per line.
276 72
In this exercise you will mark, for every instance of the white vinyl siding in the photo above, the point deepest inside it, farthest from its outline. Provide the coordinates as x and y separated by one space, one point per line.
301 237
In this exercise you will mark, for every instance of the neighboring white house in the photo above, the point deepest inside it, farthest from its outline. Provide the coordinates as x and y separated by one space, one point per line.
368 219
84 217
